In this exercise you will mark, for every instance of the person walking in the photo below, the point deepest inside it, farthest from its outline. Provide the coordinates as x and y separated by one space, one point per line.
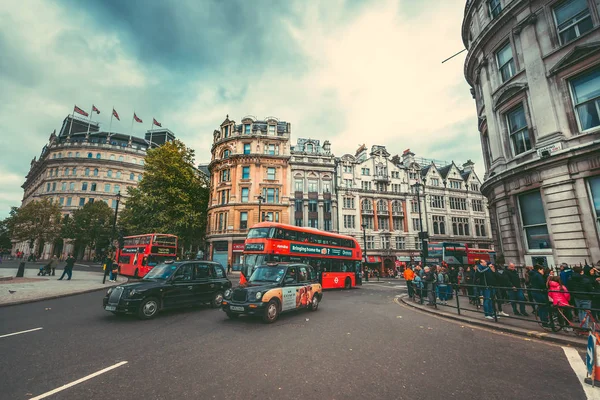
54 264
515 294
114 271
429 280
485 278
442 283
502 285
68 268
228 268
539 293
581 288
409 276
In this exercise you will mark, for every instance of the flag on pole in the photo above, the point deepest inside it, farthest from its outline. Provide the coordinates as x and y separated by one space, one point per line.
155 122
116 115
80 111
94 109
137 119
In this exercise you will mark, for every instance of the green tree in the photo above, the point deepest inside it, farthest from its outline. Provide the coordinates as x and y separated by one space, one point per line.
171 198
90 226
37 222
5 242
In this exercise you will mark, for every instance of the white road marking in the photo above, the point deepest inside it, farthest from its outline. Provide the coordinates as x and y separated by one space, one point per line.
578 367
78 381
82 265
18 333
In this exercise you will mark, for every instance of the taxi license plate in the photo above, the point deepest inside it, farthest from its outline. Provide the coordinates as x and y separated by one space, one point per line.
236 308
110 308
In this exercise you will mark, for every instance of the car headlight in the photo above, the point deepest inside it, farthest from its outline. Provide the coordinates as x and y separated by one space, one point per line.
258 295
133 292
227 293
109 291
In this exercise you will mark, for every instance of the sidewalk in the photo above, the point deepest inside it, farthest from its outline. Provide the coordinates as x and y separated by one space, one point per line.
523 327
32 288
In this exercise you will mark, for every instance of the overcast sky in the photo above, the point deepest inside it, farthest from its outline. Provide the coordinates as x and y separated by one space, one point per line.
350 71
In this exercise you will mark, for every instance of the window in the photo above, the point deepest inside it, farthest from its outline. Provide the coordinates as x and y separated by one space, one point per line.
437 201
247 128
298 222
139 177
99 156
226 131
96 172
271 149
245 194
534 221
383 223
313 186
369 221
400 244
327 206
572 19
69 201
380 187
309 148
385 242
495 8
518 131
477 205
142 162
63 186
121 158
224 194
247 148
72 186
66 172
457 203
475 187
93 187
396 188
506 63
349 221
271 173
298 205
349 203
69 154
243 220
91 200
412 175
298 185
395 174
312 206
84 186
594 184
87 172
90 155
366 204
479 227
116 189
460 226
61 200
77 154
271 129
414 206
74 171
226 153
271 195
586 97
418 244
348 169
348 183
435 182
365 171
225 175
118 174
107 188
313 223
416 223
109 173
439 225
245 172
397 224
370 242
455 184
131 176
82 200
364 185
326 187
112 156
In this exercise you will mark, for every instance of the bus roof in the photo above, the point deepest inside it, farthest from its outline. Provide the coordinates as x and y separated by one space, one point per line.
301 229
149 234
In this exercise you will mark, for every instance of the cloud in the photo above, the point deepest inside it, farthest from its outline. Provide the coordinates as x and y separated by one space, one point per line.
349 71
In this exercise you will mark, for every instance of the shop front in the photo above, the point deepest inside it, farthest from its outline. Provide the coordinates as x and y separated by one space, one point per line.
237 249
220 252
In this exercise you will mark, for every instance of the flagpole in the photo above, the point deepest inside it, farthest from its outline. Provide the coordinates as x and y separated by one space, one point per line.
131 131
151 126
71 126
110 125
89 123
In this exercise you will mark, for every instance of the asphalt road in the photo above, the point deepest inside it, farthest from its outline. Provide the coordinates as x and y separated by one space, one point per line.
360 344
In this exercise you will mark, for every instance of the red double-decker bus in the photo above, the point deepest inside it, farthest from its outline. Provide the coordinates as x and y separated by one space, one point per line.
337 258
458 254
142 252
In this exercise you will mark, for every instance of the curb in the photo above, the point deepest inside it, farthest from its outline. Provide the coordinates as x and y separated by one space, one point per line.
549 337
58 296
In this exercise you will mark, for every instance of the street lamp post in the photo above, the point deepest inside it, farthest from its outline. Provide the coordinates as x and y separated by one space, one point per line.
112 236
364 226
422 235
260 200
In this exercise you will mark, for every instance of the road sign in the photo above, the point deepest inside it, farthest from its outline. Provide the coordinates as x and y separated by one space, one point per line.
589 359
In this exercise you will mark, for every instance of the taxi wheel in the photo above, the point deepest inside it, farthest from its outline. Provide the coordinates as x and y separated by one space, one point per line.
271 312
347 283
217 300
314 304
149 308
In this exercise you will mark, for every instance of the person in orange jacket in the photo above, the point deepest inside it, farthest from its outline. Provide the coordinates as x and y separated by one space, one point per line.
409 275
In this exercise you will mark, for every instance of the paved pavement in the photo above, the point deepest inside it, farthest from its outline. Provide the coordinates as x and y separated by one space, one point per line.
359 344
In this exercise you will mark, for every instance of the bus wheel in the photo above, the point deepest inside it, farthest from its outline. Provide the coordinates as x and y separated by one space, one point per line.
217 300
314 304
136 274
271 312
347 283
149 308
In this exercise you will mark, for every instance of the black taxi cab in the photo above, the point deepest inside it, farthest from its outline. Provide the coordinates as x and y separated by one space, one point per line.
170 285
273 289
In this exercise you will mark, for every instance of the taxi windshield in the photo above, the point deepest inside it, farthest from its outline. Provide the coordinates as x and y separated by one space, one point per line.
161 271
267 274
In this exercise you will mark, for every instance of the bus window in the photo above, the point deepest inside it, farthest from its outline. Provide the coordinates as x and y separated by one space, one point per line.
259 233
335 241
278 234
290 235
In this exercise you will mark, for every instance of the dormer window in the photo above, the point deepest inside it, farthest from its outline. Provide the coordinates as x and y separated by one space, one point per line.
226 131
226 153
271 129
309 148
247 128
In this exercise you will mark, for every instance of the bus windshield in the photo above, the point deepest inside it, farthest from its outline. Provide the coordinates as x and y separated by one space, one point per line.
259 233
165 240
155 260
267 274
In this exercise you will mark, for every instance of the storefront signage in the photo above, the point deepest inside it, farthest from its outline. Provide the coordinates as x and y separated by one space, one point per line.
237 247
325 251
550 149
254 247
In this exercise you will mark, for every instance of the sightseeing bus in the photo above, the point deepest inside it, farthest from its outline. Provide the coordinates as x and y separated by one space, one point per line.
336 258
458 253
142 252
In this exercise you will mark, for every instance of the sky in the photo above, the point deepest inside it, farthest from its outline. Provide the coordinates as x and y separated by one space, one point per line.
350 71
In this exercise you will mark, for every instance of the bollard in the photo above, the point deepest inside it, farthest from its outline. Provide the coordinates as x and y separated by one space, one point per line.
21 270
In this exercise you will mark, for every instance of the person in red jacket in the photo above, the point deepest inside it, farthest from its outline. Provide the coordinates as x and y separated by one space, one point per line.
560 297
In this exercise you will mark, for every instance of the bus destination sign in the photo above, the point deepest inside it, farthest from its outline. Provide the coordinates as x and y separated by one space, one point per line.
254 247
325 251
162 250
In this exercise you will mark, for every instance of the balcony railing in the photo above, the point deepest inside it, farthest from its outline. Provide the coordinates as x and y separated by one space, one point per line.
383 211
399 212
381 178
367 211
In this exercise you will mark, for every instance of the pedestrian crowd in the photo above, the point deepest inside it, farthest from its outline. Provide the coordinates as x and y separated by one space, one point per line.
491 287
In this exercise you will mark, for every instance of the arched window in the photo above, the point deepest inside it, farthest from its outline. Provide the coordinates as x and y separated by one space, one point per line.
96 172
454 228
69 154
382 205
226 153
436 229
460 229
442 228
53 155
121 158
74 171
98 156
134 161
131 176
467 229
109 173
118 174
77 154
397 207
66 172
59 155
367 205
476 230
90 155
112 156
139 177
482 230
141 162
87 172
309 148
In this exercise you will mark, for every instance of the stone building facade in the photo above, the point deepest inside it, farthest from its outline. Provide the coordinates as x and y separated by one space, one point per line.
377 192
77 167
314 203
249 169
534 69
